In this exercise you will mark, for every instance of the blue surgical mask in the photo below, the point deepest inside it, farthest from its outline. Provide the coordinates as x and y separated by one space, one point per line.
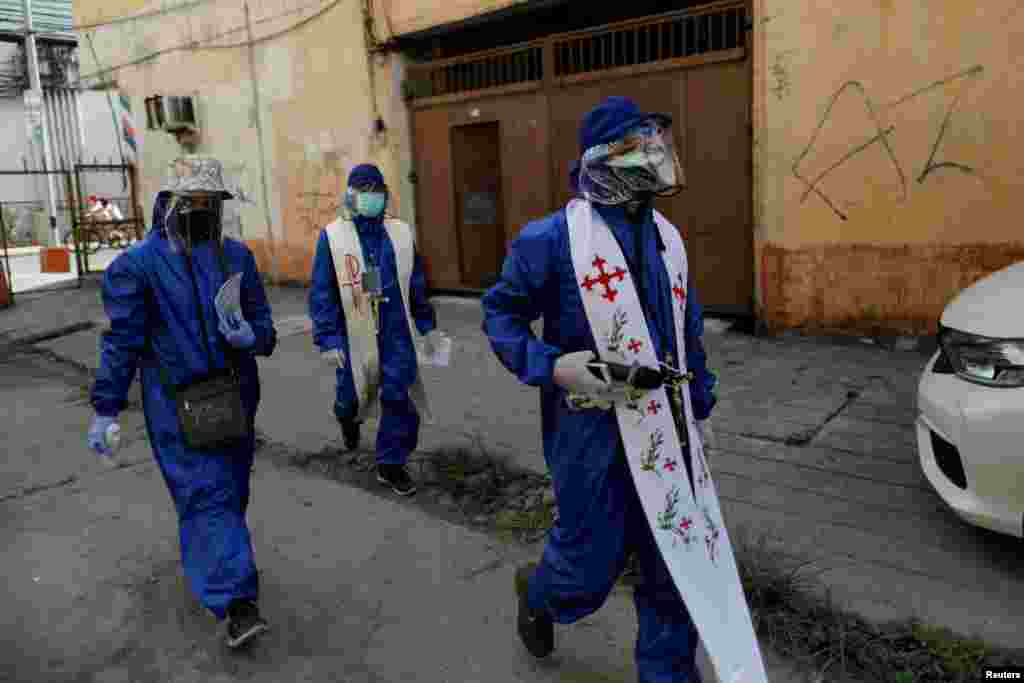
370 204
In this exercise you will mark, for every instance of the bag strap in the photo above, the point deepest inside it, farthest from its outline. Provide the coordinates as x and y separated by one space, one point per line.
230 355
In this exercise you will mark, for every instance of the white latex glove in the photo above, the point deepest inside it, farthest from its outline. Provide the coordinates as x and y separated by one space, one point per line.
335 357
707 434
571 373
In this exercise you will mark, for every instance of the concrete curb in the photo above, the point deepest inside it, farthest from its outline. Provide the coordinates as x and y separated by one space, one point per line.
48 335
925 345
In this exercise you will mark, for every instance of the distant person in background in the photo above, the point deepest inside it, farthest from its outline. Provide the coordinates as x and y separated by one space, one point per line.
110 211
95 207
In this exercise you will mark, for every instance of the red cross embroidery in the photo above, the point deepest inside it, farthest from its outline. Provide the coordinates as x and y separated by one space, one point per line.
634 345
670 465
352 269
679 291
653 407
686 524
604 279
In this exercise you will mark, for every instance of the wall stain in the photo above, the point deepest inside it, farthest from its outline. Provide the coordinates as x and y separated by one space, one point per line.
316 205
870 288
881 136
780 72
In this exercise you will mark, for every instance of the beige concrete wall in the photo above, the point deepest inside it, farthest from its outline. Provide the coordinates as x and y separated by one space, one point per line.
887 156
313 76
409 16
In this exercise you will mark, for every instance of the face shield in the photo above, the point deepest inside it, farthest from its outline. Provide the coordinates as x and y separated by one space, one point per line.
194 218
197 192
642 164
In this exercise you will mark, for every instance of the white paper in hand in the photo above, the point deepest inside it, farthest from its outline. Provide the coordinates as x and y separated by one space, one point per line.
229 298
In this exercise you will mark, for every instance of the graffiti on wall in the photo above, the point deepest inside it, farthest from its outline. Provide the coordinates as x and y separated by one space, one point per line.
879 135
319 195
782 81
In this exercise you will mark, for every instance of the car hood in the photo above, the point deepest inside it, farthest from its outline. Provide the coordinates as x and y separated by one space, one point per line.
991 307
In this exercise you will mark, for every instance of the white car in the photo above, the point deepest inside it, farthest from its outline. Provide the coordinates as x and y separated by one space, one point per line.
970 425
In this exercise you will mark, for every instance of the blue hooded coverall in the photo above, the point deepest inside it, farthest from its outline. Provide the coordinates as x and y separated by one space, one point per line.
601 520
148 296
398 433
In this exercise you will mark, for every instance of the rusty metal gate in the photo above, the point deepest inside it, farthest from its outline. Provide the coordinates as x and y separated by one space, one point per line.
116 229
91 234
693 64
22 243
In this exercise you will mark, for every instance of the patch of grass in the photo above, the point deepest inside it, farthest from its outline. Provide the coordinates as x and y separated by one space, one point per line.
790 611
538 519
454 470
958 656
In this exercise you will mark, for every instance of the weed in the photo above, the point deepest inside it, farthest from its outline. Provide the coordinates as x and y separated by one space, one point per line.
959 657
800 622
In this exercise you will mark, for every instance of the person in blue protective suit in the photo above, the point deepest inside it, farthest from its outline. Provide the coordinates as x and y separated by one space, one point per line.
398 435
159 296
600 521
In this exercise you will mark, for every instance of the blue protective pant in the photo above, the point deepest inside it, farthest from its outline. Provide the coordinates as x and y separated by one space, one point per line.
577 574
399 428
211 496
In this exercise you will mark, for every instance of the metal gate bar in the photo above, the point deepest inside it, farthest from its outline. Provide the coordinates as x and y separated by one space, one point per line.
8 270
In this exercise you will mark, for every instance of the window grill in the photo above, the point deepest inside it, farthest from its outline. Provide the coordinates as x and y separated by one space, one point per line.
677 35
522 63
671 37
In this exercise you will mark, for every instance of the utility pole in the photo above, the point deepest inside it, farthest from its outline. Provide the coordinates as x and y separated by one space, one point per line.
35 101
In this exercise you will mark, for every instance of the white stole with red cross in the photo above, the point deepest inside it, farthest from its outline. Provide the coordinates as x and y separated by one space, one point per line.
686 519
361 327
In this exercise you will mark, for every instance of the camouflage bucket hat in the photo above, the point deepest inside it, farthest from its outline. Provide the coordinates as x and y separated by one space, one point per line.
196 174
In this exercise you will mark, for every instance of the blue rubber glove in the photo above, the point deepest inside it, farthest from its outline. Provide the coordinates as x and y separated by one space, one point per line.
98 434
238 332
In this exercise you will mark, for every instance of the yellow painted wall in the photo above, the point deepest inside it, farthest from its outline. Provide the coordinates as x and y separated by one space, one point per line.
887 155
886 138
316 114
409 16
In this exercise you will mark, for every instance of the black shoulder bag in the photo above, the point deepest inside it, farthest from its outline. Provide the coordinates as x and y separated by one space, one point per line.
211 414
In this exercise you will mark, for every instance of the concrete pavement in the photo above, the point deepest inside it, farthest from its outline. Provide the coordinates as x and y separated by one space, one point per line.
26 274
359 587
815 448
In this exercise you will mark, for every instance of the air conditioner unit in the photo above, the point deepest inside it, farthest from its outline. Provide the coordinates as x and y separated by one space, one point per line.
178 113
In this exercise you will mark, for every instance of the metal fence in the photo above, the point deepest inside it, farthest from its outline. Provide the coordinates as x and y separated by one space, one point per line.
668 37
90 235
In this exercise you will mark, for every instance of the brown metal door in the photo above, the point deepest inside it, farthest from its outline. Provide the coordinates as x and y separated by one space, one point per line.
721 239
479 213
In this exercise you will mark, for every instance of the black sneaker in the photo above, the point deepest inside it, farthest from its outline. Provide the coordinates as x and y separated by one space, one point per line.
350 430
536 628
244 623
397 477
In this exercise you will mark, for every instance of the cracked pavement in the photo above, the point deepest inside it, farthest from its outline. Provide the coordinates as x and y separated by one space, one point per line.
815 446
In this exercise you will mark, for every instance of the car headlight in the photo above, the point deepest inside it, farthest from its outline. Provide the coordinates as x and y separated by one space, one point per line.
984 360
